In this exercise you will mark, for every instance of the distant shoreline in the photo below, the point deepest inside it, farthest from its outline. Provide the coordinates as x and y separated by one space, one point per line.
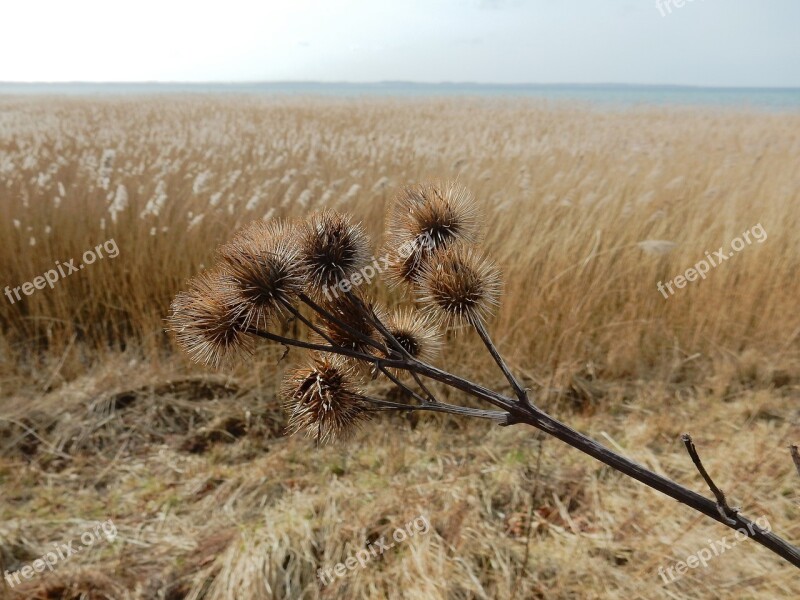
604 94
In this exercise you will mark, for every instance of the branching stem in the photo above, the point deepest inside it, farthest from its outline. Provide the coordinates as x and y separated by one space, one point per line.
519 391
528 414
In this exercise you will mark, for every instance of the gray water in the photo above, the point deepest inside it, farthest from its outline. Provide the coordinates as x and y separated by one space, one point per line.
604 94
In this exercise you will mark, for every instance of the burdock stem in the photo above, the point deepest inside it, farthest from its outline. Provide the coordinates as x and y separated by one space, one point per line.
370 314
418 366
722 504
313 327
494 415
535 417
520 392
400 384
308 323
328 316
795 457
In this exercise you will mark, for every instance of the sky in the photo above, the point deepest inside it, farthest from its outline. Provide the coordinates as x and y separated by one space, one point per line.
702 42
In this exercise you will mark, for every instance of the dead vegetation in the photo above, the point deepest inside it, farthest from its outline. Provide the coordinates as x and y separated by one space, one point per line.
100 420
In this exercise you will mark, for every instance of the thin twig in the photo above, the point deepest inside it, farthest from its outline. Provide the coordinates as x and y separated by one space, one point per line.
515 384
333 349
292 309
308 323
370 314
724 510
330 317
417 366
795 457
400 384
529 525
452 409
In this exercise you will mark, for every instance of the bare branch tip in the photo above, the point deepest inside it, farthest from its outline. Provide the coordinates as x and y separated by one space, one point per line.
726 511
795 452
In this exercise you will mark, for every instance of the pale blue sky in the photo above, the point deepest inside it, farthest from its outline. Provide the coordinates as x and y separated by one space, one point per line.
704 42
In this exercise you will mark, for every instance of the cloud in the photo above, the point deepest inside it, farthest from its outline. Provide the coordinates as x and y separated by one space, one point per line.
498 4
470 41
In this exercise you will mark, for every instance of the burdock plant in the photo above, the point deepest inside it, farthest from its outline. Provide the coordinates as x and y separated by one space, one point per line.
271 271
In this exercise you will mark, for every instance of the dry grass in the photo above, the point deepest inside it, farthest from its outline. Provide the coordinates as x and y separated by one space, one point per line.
99 419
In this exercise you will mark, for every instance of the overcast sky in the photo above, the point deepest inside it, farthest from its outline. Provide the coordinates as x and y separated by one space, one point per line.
704 42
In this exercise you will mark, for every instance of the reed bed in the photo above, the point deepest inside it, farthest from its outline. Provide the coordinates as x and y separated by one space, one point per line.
568 195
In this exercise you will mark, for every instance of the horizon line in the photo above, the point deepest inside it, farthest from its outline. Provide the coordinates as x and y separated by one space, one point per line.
405 82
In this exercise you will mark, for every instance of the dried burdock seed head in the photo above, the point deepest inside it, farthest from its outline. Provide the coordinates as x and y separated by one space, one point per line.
322 400
406 261
264 263
416 332
424 219
206 322
443 213
459 286
333 249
